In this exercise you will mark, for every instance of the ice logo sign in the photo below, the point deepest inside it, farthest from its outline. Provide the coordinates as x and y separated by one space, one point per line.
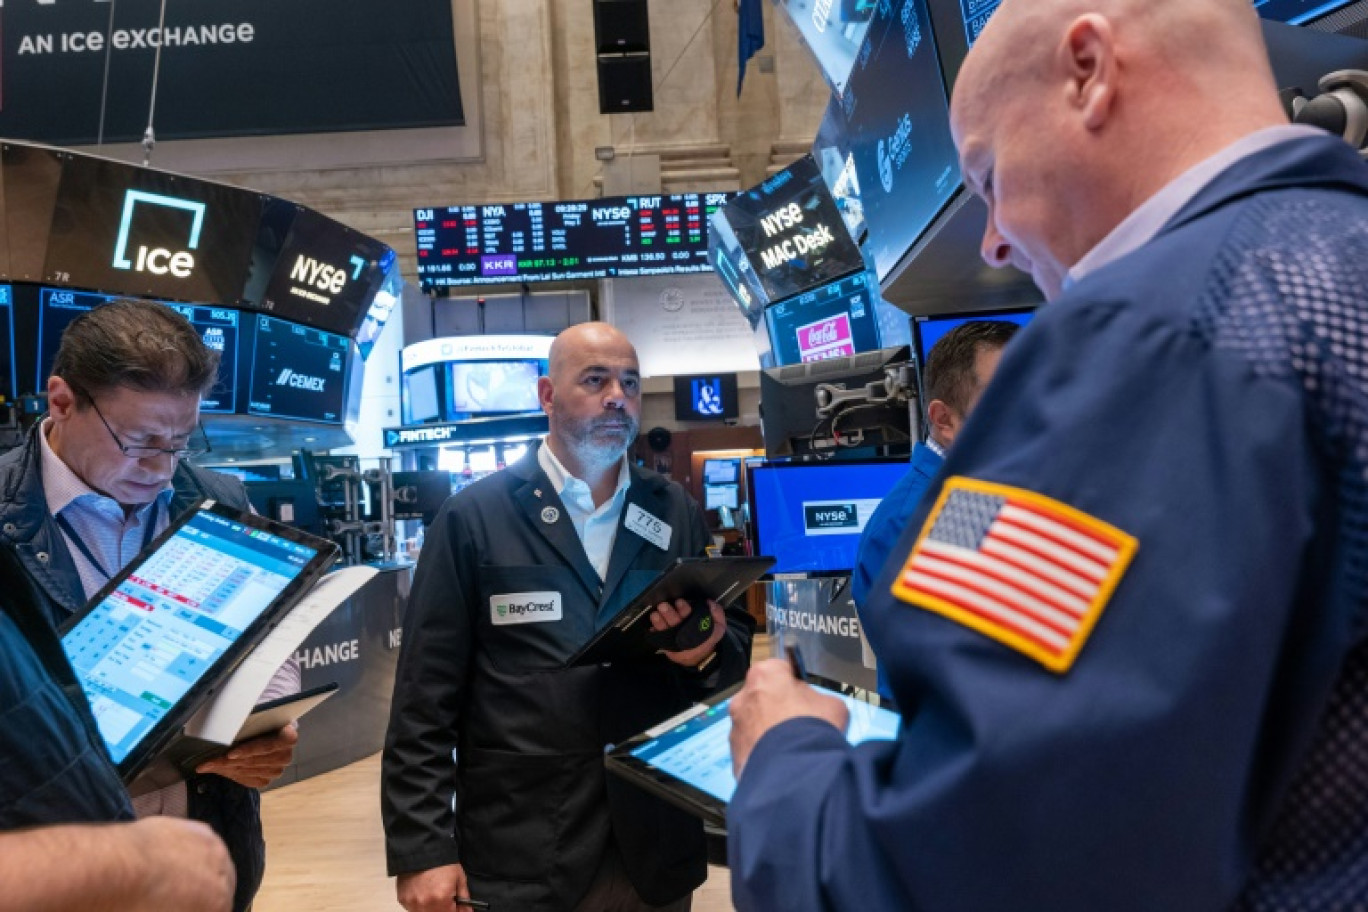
158 260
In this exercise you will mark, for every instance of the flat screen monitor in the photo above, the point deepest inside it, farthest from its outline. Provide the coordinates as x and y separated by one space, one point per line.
217 326
809 516
905 160
291 501
297 372
1298 12
792 232
717 496
151 233
721 471
789 409
421 400
486 387
326 274
612 237
928 330
706 397
9 379
420 495
833 321
831 150
833 31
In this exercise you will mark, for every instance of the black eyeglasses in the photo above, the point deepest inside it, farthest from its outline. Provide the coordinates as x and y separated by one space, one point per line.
151 452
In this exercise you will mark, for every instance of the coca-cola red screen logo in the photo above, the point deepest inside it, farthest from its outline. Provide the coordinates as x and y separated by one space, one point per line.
827 338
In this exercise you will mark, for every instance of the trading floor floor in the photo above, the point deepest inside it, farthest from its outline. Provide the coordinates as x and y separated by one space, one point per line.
325 851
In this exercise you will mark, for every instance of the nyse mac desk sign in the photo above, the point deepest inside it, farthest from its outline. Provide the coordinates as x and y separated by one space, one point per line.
116 226
227 69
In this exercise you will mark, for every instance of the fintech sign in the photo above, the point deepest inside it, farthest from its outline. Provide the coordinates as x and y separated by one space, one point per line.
905 160
249 67
118 226
611 237
297 372
792 232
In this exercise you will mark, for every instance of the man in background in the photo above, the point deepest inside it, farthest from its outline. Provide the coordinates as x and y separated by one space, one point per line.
493 784
1131 612
96 481
957 371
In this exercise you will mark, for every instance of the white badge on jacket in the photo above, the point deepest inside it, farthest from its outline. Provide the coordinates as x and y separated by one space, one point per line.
524 608
656 531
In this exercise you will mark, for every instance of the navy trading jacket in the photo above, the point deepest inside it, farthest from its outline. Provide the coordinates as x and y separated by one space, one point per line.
534 805
1133 622
26 527
54 768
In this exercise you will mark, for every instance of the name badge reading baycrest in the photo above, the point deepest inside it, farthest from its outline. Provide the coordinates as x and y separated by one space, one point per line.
524 608
654 530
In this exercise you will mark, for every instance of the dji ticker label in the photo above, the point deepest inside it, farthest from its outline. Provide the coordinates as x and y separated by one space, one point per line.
158 260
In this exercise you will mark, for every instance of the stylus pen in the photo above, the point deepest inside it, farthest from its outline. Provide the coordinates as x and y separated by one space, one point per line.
471 903
795 657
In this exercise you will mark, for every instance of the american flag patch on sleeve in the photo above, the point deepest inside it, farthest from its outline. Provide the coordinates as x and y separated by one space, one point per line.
1030 572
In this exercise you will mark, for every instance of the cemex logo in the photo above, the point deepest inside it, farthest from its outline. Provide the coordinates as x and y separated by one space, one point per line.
158 260
291 377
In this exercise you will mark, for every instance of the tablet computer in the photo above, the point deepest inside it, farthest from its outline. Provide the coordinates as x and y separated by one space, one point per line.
687 759
627 636
157 640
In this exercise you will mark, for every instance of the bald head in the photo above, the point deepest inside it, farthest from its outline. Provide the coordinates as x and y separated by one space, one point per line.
592 398
1069 114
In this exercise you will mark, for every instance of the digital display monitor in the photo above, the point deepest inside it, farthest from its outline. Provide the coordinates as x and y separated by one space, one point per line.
149 641
831 151
218 327
612 237
326 274
8 369
928 330
792 232
706 397
721 471
830 322
421 401
151 233
717 496
477 387
1298 12
297 372
381 307
905 160
833 31
810 515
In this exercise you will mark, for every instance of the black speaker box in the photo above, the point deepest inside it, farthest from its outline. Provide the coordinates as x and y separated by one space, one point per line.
621 27
625 84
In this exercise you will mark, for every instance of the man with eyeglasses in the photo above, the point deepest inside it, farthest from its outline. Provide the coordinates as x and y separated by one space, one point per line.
96 480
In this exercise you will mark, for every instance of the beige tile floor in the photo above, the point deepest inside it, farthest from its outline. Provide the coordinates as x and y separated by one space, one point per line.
325 850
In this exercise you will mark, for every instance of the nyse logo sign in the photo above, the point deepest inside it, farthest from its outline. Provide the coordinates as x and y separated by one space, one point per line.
158 261
324 276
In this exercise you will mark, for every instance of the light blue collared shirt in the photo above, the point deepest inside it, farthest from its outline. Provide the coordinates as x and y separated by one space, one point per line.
596 526
1140 227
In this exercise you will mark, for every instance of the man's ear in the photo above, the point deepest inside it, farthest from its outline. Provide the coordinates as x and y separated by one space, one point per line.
62 399
941 417
1087 59
544 391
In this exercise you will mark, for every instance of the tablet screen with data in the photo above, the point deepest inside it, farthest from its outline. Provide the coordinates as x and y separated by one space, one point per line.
687 759
163 633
